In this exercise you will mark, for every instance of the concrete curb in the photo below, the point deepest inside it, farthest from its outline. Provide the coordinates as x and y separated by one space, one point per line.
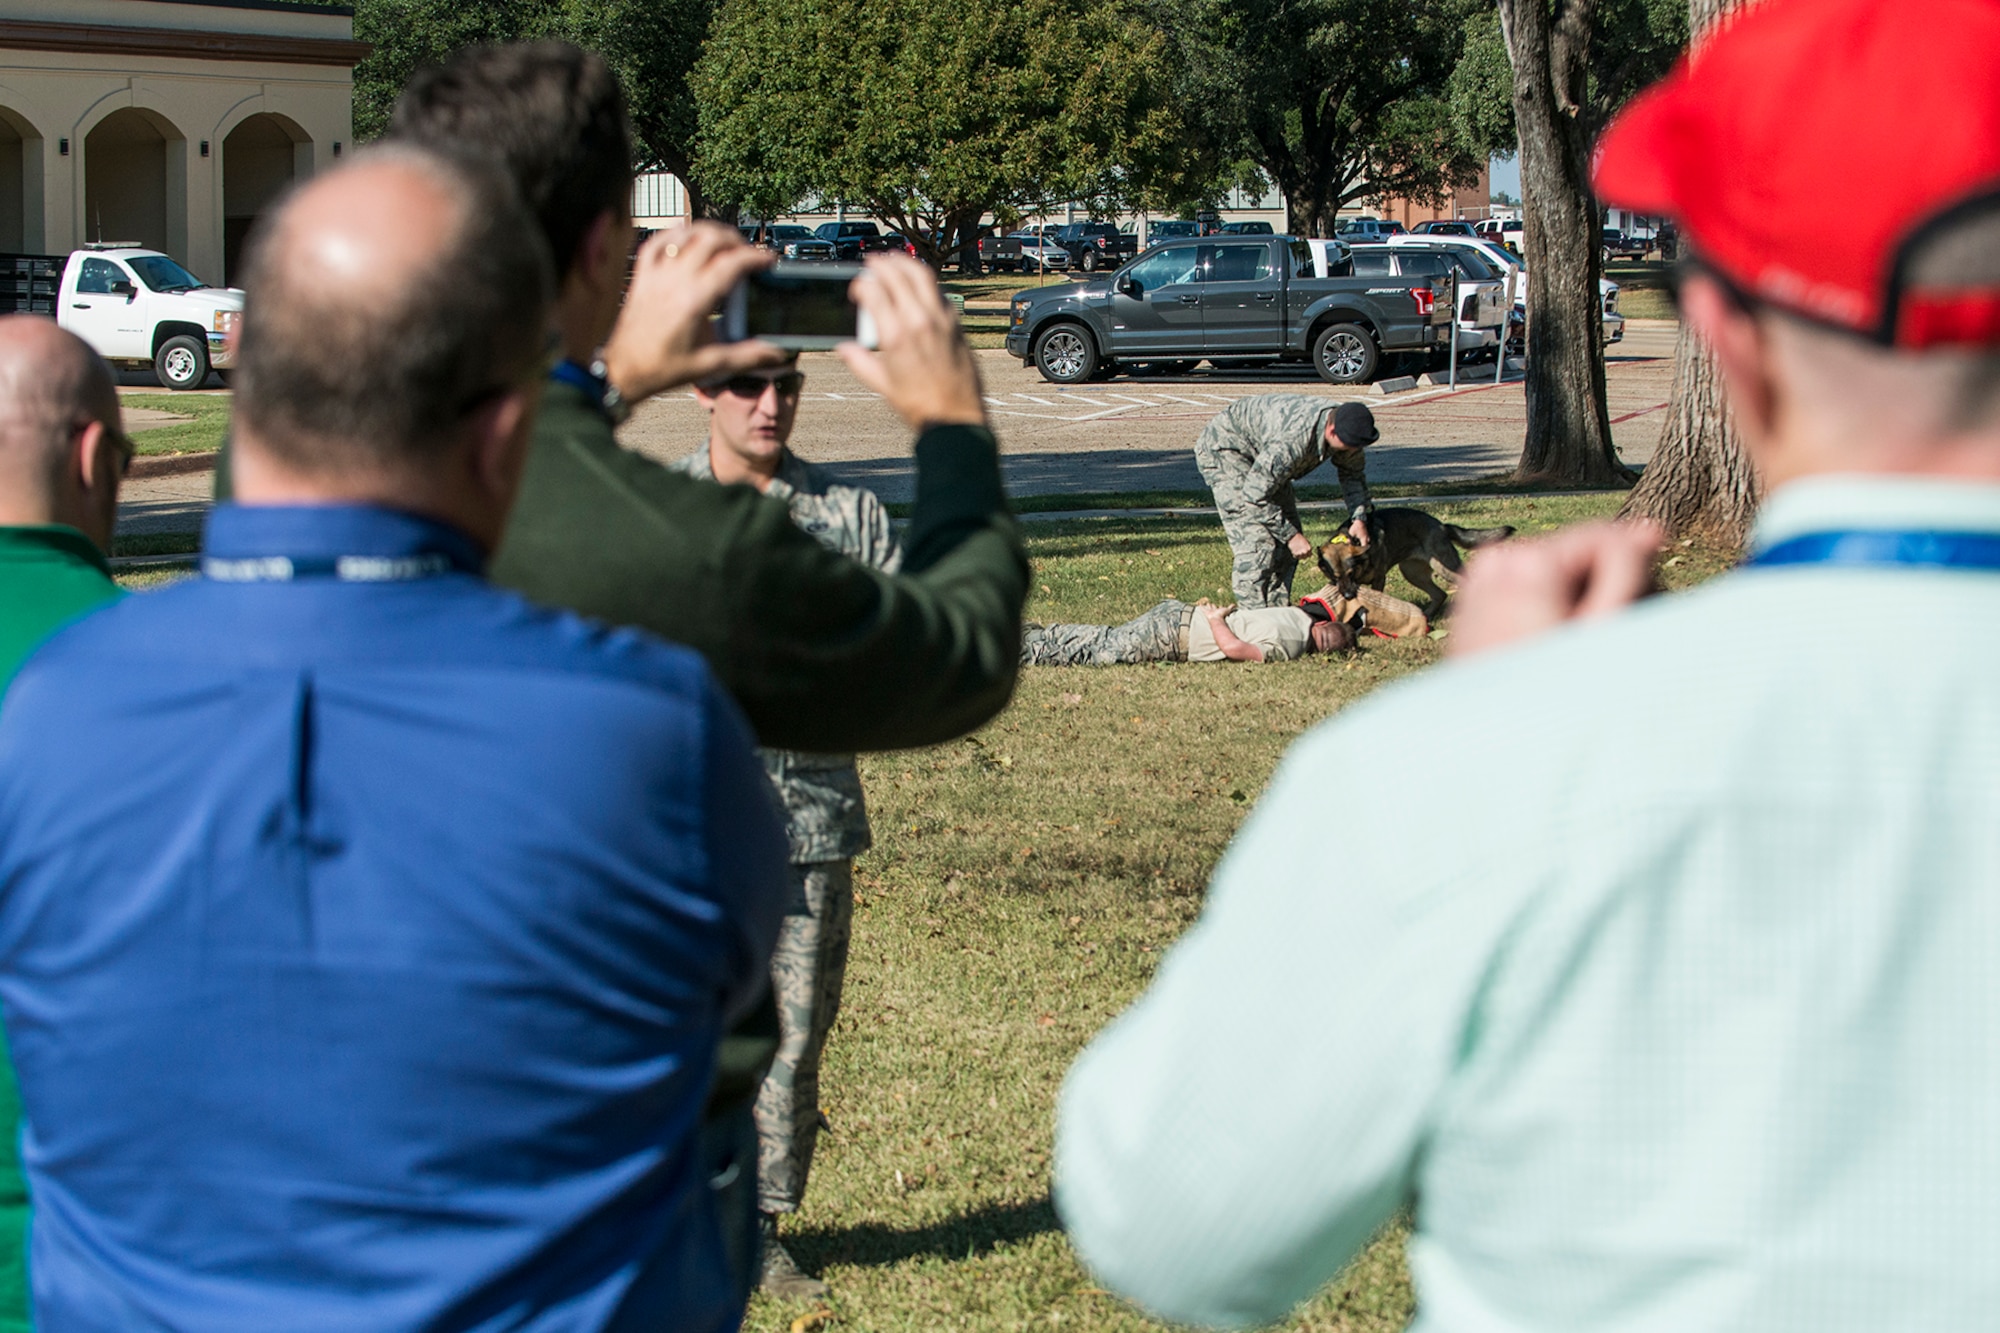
171 465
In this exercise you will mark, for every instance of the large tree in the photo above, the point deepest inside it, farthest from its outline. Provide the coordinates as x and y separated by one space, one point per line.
1569 426
929 114
1699 482
1334 100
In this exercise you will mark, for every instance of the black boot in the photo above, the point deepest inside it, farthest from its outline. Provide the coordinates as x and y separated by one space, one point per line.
782 1277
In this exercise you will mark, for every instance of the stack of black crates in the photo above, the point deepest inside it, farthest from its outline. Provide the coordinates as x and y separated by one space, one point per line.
28 283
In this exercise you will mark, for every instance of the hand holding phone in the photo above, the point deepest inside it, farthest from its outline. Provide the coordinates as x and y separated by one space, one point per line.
662 339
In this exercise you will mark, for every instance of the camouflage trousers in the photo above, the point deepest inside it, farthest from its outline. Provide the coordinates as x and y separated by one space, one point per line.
1262 567
807 970
1160 635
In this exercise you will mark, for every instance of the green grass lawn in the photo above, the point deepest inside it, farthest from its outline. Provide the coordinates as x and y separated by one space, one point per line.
209 415
998 287
1024 884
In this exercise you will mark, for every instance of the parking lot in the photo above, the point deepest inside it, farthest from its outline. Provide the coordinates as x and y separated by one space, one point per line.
1122 435
1137 434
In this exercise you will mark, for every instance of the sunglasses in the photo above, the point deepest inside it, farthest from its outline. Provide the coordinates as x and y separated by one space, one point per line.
126 449
753 386
119 441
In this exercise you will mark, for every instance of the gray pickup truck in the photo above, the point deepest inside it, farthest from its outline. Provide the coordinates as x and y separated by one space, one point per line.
1226 299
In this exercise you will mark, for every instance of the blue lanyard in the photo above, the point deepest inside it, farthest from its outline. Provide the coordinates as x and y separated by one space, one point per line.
345 568
578 377
1934 550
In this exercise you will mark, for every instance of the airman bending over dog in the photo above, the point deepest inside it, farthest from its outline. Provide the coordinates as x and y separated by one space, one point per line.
1250 455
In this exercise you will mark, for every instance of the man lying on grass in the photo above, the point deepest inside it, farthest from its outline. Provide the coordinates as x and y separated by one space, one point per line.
1176 631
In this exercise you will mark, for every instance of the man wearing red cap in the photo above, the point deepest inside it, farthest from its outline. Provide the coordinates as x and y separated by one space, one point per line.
1690 1019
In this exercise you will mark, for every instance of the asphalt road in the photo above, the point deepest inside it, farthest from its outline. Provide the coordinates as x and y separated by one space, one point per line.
1124 435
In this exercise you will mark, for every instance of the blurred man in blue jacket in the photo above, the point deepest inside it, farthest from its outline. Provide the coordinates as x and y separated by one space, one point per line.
369 931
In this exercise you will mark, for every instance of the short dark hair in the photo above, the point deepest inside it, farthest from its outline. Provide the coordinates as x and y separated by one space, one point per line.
549 114
332 380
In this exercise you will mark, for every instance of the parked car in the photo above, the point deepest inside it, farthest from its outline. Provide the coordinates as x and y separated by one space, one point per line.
136 306
850 240
1170 229
1095 245
1366 229
792 241
896 241
1247 229
1482 284
1505 232
1231 298
1443 227
1617 245
1002 253
1040 256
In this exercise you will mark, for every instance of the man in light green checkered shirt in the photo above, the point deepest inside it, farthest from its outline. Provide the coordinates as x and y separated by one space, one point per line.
1689 1017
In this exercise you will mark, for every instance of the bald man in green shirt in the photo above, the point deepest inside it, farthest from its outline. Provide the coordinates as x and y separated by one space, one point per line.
62 453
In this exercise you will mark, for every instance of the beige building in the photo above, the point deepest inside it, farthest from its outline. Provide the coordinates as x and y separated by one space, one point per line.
167 122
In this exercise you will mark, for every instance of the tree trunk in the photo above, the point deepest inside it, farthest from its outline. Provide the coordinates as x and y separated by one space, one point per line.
1700 482
1569 424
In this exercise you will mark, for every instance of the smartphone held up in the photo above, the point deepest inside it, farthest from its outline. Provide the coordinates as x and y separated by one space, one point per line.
805 307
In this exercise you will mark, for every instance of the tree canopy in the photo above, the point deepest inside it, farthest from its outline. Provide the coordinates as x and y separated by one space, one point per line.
929 114
1334 100
651 43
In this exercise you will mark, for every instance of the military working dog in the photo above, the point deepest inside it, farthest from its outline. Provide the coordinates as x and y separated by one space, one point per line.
1423 547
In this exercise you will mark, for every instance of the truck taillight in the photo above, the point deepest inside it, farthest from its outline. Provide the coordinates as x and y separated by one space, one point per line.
1426 300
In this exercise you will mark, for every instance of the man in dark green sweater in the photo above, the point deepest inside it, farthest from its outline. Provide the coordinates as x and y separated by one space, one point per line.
822 652
61 457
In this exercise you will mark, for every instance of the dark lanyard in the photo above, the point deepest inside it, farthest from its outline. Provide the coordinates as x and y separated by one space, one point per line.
1933 550
345 568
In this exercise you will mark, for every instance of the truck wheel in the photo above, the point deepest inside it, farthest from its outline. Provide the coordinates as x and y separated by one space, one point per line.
1090 260
1345 354
1065 355
182 362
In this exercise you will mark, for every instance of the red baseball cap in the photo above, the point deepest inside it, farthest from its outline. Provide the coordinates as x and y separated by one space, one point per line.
1838 158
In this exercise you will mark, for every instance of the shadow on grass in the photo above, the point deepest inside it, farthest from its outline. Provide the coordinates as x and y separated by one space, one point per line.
964 1236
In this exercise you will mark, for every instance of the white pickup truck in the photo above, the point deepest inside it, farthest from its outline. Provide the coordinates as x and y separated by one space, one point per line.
136 306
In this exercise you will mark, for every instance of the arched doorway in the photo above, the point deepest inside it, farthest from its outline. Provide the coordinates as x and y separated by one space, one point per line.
260 158
21 199
131 168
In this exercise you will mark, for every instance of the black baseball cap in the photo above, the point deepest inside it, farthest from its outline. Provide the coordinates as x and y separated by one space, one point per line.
1355 425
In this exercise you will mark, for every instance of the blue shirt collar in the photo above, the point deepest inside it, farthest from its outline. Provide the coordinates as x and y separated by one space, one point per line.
578 375
1874 502
309 533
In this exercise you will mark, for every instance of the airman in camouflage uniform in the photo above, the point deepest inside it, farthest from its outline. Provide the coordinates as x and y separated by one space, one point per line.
1251 453
826 820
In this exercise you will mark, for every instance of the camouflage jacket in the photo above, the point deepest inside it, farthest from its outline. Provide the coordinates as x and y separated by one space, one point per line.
826 817
1274 439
